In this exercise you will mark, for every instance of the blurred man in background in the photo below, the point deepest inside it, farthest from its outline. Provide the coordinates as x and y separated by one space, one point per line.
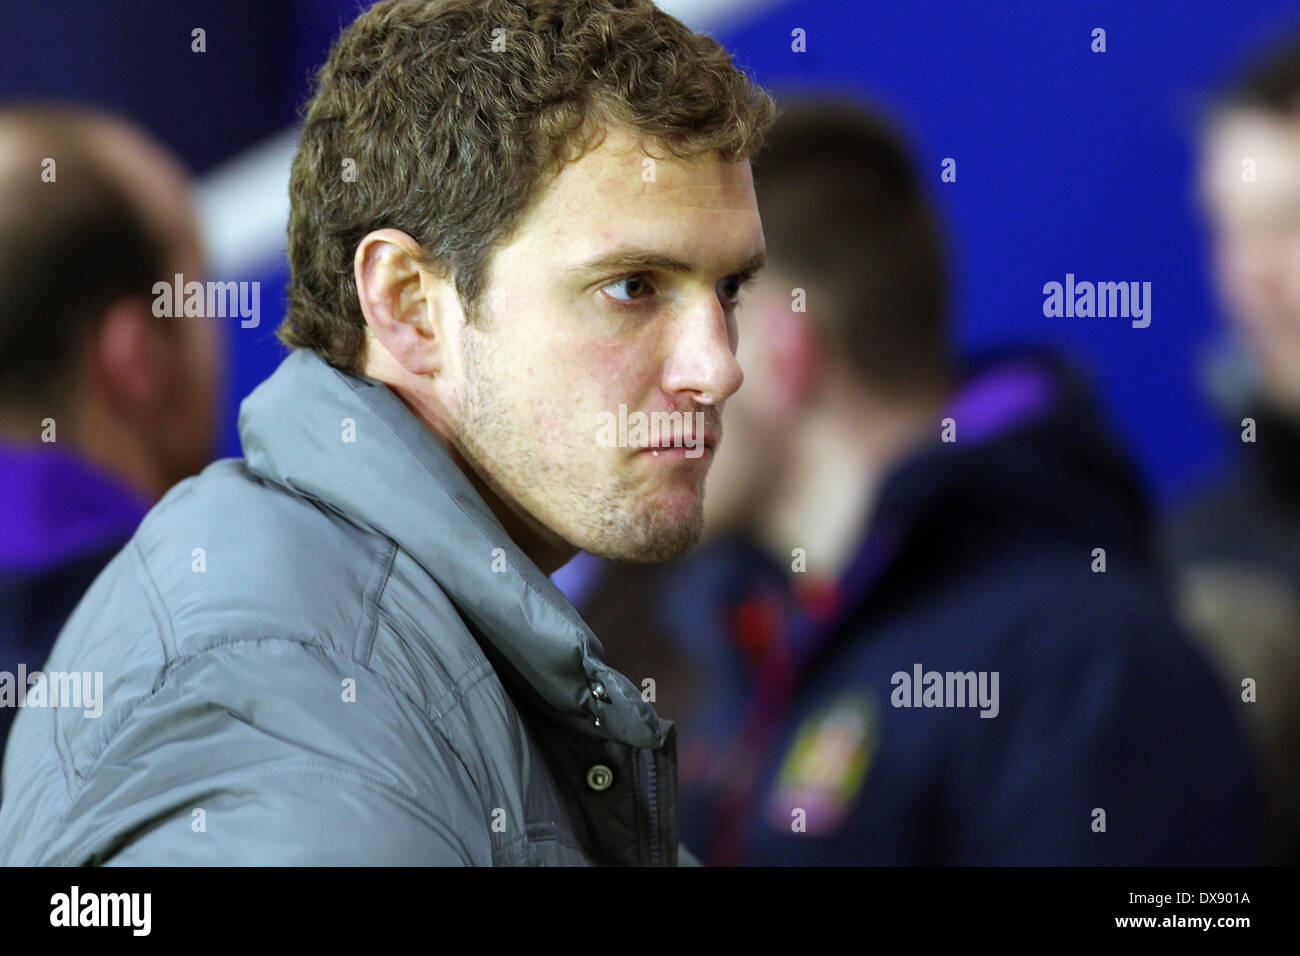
928 630
103 406
1238 543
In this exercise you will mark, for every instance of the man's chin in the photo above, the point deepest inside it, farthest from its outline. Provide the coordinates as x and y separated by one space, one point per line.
661 549
658 538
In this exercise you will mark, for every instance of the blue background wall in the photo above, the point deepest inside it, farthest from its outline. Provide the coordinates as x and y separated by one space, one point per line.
1067 160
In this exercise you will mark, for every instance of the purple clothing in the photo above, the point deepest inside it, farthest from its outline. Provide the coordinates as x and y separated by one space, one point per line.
63 520
58 507
1006 395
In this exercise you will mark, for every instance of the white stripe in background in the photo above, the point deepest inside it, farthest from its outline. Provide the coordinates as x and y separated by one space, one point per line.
712 14
244 207
244 203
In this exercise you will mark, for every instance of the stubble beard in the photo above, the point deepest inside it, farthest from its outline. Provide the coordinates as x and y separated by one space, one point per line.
606 515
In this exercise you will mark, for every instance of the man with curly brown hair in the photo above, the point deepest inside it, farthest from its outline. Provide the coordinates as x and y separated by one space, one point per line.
511 222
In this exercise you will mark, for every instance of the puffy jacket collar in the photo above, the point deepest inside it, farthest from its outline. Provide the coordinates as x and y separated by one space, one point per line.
350 443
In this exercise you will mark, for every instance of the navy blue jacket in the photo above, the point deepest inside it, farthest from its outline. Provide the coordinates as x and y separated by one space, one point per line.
1109 742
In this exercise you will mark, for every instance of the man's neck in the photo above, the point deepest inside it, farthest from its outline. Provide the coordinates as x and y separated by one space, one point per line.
94 437
539 544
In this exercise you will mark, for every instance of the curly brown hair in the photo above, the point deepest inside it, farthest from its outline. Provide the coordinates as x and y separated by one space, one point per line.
456 113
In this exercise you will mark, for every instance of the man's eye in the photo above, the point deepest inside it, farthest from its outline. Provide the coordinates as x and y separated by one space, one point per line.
633 287
731 287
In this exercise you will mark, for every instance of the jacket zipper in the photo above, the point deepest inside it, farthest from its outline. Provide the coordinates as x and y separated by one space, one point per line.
652 803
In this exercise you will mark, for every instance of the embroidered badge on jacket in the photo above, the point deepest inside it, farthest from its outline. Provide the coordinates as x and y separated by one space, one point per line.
825 767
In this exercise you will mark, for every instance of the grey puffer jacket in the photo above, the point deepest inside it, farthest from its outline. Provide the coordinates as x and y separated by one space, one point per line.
330 652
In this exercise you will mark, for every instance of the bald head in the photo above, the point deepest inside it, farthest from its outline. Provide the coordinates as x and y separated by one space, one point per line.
93 213
154 183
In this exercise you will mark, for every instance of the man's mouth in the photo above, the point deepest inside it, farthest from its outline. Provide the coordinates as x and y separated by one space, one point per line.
684 446
678 451
682 434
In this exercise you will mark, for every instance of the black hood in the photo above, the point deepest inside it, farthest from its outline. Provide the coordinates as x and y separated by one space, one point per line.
1056 476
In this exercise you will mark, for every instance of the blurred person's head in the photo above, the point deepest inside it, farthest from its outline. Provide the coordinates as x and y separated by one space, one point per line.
93 212
1250 180
549 216
844 340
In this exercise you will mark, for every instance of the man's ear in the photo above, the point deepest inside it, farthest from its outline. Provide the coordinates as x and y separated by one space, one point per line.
401 309
129 357
798 355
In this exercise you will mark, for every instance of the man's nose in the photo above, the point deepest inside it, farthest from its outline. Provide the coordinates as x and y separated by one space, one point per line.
702 361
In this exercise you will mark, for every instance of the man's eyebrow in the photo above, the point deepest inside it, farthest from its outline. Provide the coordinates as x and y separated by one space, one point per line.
633 260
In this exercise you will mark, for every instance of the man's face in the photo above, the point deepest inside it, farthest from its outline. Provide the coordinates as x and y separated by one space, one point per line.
616 297
180 427
763 417
1257 239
